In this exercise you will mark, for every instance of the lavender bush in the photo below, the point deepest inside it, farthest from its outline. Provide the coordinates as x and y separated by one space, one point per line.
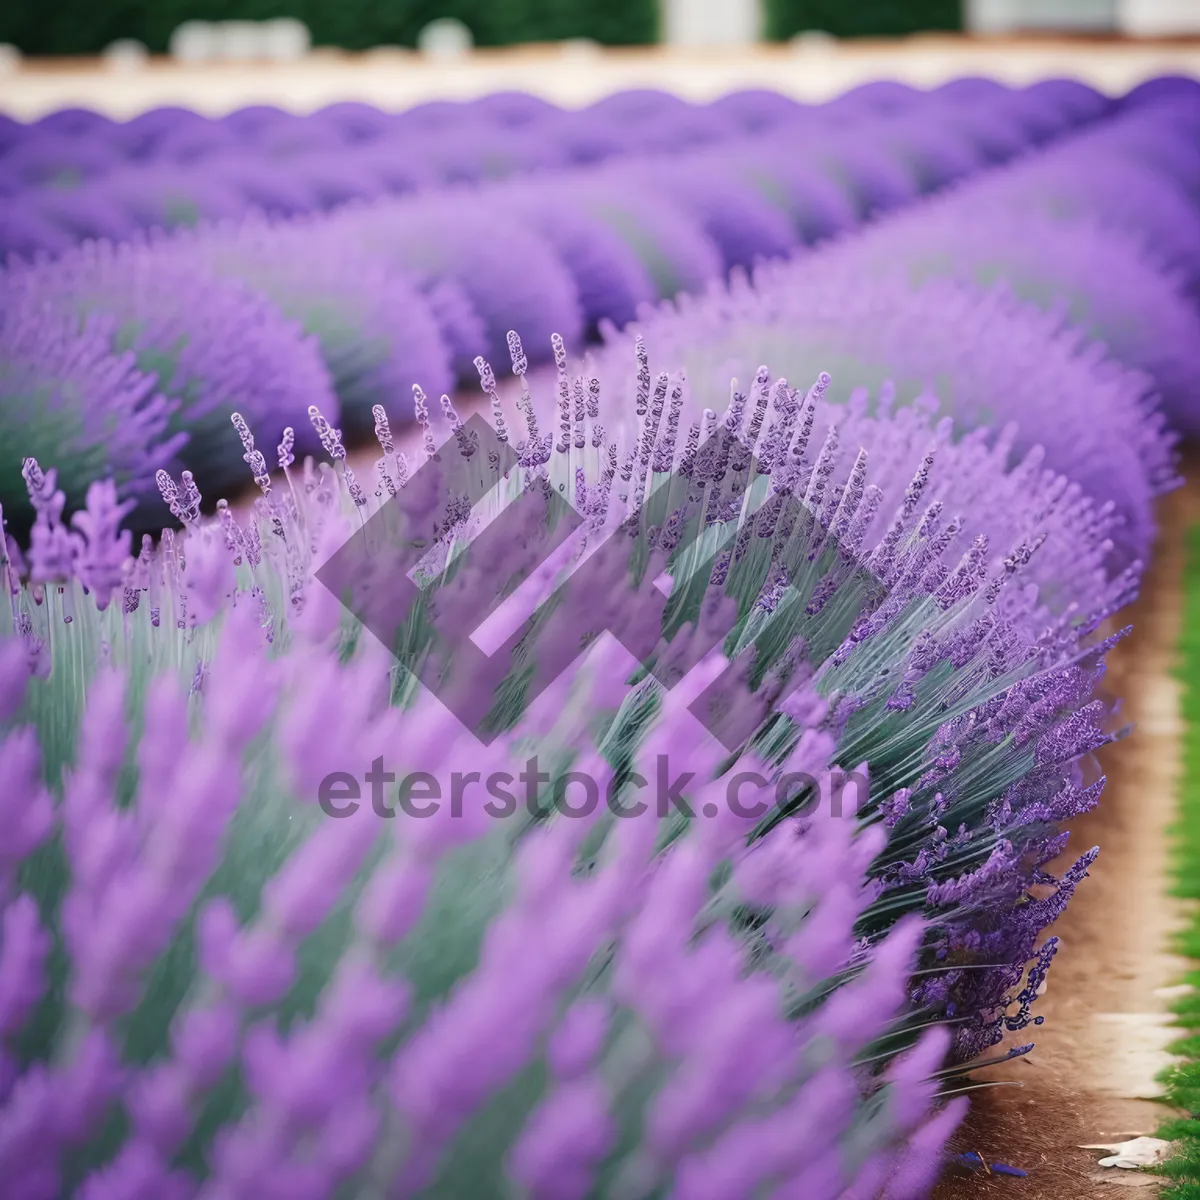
1106 280
213 346
174 135
980 356
499 262
229 993
54 162
68 217
191 168
1120 173
621 251
448 275
77 123
28 233
815 205
742 222
376 331
157 197
65 394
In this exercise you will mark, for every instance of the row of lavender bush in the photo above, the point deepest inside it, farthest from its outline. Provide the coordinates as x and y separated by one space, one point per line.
209 988
212 989
1058 293
76 174
345 311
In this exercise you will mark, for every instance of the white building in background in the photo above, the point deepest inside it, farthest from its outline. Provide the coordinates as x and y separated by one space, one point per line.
1158 18
711 22
445 38
283 39
125 55
1071 16
1135 18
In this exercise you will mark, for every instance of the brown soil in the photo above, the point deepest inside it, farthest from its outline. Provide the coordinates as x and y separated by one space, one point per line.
1091 1077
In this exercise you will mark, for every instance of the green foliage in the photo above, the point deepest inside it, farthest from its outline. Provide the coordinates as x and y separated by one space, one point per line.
1183 1079
83 27
865 18
1186 834
80 27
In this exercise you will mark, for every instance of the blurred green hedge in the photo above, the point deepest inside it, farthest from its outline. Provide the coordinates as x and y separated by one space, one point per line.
860 18
87 26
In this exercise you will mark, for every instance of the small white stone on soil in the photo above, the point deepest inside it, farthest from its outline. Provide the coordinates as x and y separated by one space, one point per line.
1140 1152
1175 991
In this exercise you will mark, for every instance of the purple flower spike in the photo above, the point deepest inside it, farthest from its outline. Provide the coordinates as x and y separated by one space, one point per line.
104 557
24 948
209 579
137 1174
564 1140
915 1172
27 808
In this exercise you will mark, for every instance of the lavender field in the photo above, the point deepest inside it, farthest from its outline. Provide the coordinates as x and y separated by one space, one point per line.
557 653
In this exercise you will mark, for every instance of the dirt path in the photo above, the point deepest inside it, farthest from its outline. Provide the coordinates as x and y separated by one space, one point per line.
1091 1076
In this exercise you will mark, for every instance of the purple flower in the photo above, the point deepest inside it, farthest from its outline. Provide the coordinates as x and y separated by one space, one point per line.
23 952
104 555
28 813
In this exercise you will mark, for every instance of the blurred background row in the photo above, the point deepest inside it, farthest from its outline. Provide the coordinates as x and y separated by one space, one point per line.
199 30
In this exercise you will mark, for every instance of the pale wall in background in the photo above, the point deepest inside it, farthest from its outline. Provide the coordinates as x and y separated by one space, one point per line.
1006 16
1158 18
711 22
